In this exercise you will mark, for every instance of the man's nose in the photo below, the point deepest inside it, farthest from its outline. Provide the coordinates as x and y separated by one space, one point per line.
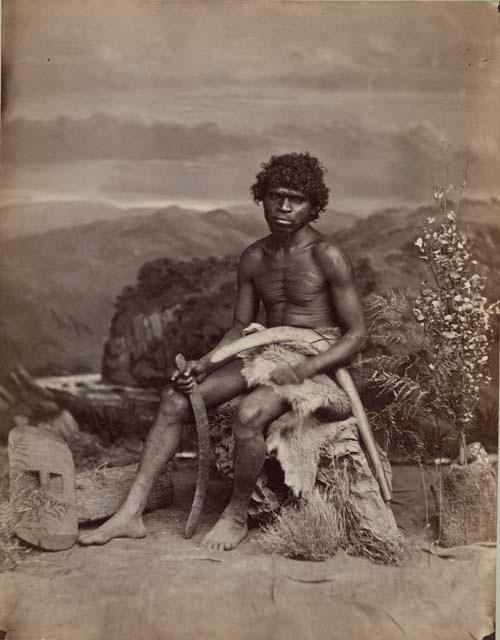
285 204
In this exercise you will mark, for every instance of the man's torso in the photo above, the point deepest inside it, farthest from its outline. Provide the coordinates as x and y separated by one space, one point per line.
292 286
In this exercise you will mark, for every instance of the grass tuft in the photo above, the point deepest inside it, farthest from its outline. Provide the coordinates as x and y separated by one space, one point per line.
310 530
323 522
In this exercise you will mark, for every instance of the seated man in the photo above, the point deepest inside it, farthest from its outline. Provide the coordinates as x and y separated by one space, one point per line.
302 280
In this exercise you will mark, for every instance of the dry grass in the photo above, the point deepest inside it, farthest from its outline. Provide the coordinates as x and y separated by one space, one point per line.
324 522
10 548
30 501
310 532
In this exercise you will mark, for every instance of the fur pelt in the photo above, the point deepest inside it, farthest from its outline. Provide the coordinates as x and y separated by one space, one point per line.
297 443
297 436
318 392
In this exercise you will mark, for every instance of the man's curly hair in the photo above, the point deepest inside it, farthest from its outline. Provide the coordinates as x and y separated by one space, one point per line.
297 171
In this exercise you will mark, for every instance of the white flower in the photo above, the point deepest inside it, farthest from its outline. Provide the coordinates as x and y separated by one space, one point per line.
419 243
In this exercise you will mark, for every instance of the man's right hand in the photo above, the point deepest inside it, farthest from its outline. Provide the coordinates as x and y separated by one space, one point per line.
195 371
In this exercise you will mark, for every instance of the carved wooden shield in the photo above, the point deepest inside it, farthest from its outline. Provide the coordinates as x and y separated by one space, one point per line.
42 488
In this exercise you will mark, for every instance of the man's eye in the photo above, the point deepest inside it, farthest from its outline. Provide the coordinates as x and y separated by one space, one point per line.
277 197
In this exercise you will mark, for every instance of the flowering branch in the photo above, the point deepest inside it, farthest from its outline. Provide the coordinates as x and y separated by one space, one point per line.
454 314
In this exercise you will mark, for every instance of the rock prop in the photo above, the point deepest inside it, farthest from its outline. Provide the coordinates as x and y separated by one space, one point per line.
467 501
172 307
371 528
100 493
42 489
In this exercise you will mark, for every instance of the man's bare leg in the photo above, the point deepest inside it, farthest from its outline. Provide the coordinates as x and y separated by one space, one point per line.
252 417
161 445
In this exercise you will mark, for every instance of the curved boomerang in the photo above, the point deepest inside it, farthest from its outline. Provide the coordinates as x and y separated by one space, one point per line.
202 429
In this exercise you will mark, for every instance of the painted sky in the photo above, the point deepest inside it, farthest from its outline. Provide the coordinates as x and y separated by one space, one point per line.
139 101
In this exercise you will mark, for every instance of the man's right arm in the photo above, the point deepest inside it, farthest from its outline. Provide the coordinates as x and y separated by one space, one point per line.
247 302
245 312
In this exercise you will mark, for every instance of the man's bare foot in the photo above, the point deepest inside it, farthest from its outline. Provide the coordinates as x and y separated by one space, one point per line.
226 534
119 526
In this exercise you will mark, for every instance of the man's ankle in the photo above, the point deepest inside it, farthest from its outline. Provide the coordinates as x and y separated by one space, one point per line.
238 516
130 513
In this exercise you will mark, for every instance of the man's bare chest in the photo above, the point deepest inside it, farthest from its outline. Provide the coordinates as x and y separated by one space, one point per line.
295 280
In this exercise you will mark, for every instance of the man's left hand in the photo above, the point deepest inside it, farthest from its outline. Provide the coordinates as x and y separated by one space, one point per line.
284 374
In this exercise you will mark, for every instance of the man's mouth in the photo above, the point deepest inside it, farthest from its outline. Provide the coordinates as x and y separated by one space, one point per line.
283 223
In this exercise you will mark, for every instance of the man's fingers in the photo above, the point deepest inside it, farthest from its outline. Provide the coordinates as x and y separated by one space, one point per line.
187 389
180 377
186 385
186 373
190 366
186 379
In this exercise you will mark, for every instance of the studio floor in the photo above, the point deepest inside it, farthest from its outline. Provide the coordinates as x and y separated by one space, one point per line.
166 587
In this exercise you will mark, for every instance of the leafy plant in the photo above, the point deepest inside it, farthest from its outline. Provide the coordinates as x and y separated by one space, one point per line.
430 356
455 316
394 374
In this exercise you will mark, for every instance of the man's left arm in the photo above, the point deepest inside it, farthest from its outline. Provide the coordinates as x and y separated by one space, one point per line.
339 273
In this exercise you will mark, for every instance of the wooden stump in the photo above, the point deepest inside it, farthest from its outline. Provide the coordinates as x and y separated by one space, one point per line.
100 493
468 504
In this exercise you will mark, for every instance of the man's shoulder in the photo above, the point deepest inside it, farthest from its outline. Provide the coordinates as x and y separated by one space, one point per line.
255 250
324 249
251 257
332 258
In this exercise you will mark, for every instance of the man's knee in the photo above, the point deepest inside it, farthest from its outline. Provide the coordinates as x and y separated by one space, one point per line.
249 419
173 403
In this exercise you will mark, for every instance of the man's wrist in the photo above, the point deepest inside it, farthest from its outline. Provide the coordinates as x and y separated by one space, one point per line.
304 370
205 360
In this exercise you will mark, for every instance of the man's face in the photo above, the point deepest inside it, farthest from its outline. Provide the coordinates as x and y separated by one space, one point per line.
287 210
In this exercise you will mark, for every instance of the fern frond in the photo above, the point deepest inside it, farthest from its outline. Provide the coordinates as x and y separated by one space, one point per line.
386 311
402 389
